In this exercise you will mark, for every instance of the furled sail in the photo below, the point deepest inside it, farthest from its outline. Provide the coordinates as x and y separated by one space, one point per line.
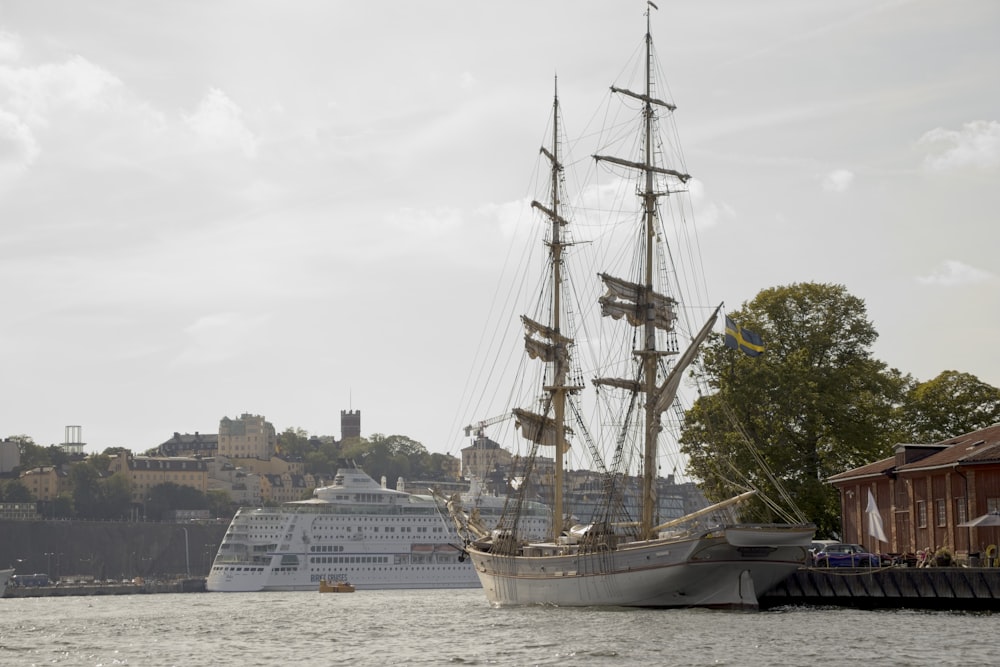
621 383
633 301
554 345
538 429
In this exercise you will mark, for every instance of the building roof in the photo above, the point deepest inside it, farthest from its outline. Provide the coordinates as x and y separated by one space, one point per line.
978 447
203 440
881 467
970 449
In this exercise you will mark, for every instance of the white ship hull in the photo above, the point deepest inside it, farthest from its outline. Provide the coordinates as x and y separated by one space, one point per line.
707 571
239 580
355 531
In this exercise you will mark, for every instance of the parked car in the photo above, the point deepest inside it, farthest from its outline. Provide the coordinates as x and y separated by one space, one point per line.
846 555
816 547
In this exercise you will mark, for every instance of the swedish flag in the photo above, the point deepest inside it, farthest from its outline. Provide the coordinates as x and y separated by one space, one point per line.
738 338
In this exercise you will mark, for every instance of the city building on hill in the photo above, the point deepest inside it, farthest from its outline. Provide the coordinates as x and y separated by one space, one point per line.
276 465
190 444
10 455
145 472
483 457
285 487
242 487
45 482
247 437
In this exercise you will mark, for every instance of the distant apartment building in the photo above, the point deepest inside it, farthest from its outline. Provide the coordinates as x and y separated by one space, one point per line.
10 455
190 444
483 457
248 437
242 487
44 482
286 487
145 472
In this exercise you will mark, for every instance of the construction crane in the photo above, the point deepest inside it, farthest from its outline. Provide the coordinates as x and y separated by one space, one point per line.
478 429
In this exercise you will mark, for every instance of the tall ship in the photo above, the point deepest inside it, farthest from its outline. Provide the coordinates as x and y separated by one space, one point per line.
638 327
356 530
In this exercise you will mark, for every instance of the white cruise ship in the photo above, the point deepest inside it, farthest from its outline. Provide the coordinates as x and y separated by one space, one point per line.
355 530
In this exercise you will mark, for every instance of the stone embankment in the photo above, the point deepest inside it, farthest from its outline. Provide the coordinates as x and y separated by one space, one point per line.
192 585
945 588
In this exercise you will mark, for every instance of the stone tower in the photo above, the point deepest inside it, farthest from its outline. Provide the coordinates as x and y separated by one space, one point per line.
350 424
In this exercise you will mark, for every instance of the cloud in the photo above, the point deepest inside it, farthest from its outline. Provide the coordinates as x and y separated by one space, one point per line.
514 217
10 47
18 148
35 93
977 144
952 273
468 80
218 122
707 213
425 223
838 180
220 337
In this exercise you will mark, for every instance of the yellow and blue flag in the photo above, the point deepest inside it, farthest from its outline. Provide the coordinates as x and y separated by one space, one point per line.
738 338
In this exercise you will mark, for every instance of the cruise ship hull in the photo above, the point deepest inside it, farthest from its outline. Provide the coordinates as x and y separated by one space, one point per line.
460 575
355 531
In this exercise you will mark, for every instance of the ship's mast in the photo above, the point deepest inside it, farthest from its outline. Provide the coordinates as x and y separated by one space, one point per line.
651 311
559 366
559 357
649 360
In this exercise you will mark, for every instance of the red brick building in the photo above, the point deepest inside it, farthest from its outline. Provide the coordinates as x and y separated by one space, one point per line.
923 493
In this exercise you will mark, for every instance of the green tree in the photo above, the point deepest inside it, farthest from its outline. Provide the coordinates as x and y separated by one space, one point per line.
62 506
294 442
219 504
101 461
814 404
391 456
169 496
85 480
115 497
32 455
56 455
16 492
951 404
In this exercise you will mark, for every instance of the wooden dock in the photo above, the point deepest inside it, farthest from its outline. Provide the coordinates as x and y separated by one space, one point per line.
942 588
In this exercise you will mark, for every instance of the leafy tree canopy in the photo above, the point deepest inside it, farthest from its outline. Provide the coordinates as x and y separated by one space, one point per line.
15 492
814 404
951 404
169 496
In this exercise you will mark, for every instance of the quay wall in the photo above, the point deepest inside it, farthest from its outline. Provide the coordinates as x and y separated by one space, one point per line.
192 585
943 588
109 550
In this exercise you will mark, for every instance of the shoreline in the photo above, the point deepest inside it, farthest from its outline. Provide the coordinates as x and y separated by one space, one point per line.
188 585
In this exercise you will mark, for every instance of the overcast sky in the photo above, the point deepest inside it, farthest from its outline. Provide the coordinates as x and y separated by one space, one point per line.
293 208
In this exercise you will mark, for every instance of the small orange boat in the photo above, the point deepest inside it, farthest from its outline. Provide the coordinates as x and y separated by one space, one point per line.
335 586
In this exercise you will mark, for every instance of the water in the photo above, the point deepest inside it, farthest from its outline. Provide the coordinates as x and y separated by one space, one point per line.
459 628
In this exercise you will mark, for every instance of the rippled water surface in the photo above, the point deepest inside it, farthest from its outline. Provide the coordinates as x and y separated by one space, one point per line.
460 628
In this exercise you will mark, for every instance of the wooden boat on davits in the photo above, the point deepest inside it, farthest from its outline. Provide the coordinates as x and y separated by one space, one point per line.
620 556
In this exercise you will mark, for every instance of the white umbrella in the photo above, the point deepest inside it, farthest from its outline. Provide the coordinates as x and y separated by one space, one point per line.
991 519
